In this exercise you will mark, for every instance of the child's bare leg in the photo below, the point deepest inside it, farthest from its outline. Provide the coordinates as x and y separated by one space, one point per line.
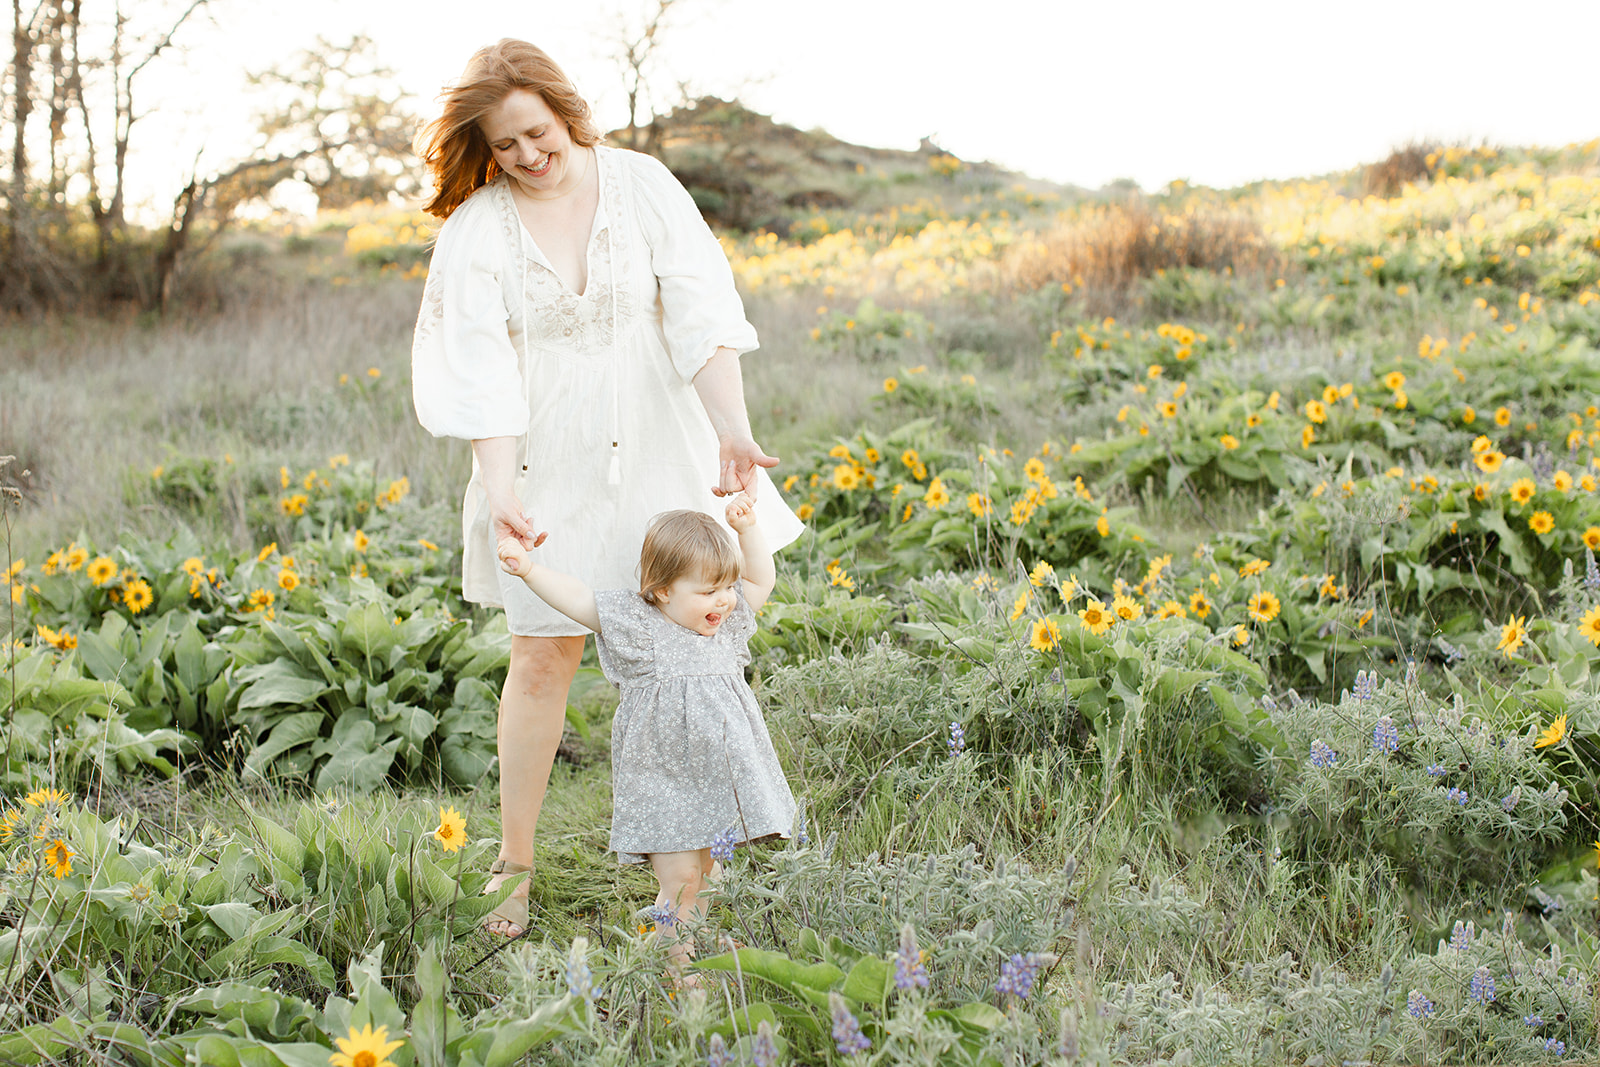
710 869
681 878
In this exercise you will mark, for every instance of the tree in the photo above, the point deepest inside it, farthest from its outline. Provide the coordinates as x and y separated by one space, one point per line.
635 53
337 124
333 120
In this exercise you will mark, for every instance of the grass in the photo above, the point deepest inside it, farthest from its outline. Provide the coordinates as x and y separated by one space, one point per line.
1178 878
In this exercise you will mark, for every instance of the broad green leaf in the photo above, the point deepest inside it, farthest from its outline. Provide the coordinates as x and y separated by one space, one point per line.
278 682
428 1016
369 631
290 731
778 969
103 659
869 981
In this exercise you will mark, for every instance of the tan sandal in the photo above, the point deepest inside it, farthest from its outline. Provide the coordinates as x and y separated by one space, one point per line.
512 911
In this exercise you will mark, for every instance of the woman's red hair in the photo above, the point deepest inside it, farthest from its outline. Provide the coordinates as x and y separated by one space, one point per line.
452 146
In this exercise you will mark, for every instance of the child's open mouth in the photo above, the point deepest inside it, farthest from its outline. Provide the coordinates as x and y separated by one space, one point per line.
713 619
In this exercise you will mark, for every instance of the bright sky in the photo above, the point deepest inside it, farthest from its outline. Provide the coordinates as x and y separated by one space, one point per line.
1066 90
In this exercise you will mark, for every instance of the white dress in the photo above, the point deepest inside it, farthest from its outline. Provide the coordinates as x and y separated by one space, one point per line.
504 349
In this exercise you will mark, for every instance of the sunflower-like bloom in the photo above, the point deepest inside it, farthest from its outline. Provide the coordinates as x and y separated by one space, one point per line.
1512 634
1096 617
58 857
1589 625
1263 607
1046 635
1553 734
452 830
364 1048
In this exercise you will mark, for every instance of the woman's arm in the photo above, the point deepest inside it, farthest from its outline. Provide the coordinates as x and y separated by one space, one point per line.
721 390
497 464
760 575
563 592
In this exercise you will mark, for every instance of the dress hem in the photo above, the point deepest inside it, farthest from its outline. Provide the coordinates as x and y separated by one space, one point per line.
628 856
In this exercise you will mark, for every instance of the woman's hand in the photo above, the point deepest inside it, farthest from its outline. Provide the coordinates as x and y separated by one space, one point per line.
738 459
507 520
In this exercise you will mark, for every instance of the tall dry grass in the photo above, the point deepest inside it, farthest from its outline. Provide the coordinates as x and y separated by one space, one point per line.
86 404
1103 251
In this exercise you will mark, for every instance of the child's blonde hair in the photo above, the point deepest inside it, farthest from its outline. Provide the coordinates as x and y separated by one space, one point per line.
680 543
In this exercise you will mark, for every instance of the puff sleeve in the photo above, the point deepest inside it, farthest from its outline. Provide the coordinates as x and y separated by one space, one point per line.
627 654
701 307
465 378
740 626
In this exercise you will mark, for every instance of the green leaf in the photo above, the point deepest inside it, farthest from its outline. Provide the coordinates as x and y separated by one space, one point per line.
101 658
258 951
510 1041
278 682
869 981
369 631
428 1016
357 760
290 731
778 969
234 918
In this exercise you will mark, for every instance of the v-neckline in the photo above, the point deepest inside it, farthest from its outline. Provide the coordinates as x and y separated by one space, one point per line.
596 224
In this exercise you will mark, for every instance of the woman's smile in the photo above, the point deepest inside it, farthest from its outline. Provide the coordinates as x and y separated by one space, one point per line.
533 145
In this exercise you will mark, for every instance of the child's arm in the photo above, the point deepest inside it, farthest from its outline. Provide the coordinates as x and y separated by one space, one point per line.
759 573
561 591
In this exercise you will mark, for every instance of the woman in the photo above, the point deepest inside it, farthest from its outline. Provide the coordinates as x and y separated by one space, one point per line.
580 326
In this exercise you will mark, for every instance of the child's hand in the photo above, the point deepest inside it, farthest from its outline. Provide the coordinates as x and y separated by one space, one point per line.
741 513
514 558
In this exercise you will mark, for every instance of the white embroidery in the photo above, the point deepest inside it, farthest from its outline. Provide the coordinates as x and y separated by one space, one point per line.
431 313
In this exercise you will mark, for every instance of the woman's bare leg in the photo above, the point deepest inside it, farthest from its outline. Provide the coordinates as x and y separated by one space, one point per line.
533 709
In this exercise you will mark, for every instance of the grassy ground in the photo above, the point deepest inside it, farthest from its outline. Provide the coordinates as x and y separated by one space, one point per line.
1179 886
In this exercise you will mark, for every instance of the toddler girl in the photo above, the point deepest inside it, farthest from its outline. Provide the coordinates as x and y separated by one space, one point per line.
691 762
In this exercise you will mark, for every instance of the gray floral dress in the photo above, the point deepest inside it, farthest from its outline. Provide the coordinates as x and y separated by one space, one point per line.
690 755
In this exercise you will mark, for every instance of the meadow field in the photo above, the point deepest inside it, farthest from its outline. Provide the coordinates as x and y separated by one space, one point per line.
1189 659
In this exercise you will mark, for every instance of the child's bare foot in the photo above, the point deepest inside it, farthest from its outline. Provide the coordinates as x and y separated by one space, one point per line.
681 981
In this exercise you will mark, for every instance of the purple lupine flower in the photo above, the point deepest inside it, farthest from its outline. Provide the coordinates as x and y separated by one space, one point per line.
1510 801
1436 770
1591 570
580 979
1461 936
1385 735
764 1050
847 1035
1457 794
1552 1045
723 844
1482 988
1533 1020
1322 755
1018 974
958 739
661 916
908 968
1418 1006
720 1056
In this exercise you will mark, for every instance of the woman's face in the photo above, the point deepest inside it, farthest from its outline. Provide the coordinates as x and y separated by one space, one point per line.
532 145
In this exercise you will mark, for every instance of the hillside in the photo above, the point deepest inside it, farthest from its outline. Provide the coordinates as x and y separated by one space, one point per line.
748 172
